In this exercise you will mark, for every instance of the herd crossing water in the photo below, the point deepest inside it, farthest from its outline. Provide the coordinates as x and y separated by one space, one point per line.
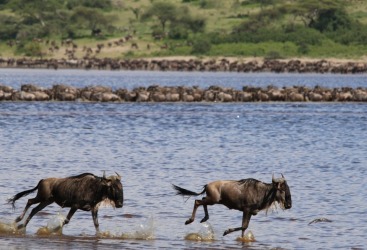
319 147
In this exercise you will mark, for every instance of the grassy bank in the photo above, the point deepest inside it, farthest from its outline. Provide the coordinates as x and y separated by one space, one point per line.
222 18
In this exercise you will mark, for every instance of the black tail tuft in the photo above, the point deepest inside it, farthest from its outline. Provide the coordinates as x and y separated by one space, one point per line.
20 195
185 192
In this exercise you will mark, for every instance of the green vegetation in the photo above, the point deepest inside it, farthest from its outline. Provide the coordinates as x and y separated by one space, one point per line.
145 28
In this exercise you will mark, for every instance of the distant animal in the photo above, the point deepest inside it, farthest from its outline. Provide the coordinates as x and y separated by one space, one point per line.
85 192
320 220
247 195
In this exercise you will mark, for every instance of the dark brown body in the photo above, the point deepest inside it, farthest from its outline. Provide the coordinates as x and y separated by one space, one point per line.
248 196
84 192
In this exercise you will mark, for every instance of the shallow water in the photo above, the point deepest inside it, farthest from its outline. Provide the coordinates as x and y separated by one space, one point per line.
132 79
319 147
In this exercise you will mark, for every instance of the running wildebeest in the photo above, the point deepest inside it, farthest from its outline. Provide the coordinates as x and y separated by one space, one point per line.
248 195
85 192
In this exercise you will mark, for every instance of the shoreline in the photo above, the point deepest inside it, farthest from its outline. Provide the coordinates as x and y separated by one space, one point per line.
177 63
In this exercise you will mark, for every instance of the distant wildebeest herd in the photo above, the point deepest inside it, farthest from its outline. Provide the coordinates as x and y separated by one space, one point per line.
192 65
87 192
156 93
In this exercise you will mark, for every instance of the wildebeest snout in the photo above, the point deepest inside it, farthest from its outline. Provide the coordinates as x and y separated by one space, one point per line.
119 204
288 205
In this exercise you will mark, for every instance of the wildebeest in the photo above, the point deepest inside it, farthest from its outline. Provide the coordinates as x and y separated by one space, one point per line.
85 192
248 195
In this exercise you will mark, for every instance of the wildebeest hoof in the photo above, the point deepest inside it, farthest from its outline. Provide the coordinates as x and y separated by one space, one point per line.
20 226
204 219
226 232
189 221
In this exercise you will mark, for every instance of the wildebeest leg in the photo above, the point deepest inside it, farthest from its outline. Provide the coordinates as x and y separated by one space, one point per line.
245 221
197 203
70 214
30 202
95 218
204 202
206 217
35 210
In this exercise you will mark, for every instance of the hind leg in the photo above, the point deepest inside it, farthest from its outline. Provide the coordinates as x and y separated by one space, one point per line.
30 202
204 202
206 217
197 203
35 210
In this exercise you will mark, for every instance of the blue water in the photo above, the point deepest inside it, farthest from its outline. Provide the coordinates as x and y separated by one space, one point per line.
319 147
132 79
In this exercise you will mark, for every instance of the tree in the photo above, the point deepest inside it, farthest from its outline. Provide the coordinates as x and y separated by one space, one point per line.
331 20
81 17
36 11
310 11
9 27
163 11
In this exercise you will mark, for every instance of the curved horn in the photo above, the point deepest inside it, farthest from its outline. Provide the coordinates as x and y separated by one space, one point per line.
283 176
118 176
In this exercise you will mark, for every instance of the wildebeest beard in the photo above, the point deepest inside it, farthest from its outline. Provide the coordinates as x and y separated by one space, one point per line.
106 203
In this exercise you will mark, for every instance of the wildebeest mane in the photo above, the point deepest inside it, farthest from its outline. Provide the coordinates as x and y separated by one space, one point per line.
81 176
269 192
81 184
247 181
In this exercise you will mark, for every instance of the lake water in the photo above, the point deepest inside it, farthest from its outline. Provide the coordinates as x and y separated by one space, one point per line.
319 147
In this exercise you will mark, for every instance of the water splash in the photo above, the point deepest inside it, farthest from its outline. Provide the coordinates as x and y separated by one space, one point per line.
7 228
248 237
206 233
145 231
54 226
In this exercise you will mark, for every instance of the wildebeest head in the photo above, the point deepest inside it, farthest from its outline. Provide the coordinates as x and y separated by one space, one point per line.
283 193
114 189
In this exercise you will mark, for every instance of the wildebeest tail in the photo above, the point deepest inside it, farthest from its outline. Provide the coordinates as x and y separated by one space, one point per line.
183 192
21 194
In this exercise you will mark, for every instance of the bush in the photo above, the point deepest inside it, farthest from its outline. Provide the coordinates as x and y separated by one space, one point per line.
303 49
201 46
273 55
355 35
99 4
9 27
32 49
178 32
303 35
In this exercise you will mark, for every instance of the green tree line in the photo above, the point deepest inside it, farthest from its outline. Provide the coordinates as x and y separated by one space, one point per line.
299 25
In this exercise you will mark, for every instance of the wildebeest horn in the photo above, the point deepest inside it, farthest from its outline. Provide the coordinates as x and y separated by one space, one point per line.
118 176
278 179
282 176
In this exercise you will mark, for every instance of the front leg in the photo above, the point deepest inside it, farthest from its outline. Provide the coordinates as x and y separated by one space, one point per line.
245 222
70 214
95 219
